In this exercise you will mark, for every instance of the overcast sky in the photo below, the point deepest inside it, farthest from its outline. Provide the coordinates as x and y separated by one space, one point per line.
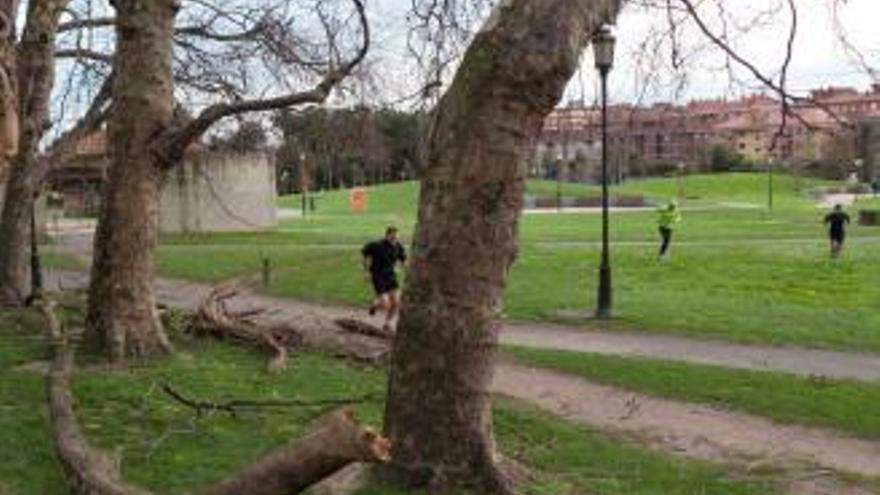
819 57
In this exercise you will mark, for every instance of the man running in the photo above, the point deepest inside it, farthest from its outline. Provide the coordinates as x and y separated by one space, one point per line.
836 221
380 258
667 217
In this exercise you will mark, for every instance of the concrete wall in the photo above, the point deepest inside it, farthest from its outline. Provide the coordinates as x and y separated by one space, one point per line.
220 192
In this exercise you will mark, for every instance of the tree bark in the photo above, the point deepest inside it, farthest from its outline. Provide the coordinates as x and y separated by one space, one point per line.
35 67
122 314
145 143
438 410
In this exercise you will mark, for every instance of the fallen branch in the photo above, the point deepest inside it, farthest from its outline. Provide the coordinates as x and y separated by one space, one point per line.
337 442
363 328
233 406
88 471
215 319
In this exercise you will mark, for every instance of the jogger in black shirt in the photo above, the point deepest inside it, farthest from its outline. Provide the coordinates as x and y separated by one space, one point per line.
380 258
836 221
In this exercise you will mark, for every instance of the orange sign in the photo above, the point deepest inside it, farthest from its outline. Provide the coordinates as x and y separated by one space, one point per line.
357 200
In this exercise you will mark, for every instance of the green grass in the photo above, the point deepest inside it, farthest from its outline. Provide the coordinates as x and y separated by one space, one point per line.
844 405
566 459
53 258
166 448
738 272
777 293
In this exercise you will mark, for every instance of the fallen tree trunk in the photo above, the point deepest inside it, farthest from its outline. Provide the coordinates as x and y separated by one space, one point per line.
363 328
342 337
338 441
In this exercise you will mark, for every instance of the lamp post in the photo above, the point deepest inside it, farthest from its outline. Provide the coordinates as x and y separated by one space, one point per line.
603 50
559 158
770 164
303 181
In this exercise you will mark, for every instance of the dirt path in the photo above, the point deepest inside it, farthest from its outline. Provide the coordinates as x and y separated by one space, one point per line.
799 361
808 456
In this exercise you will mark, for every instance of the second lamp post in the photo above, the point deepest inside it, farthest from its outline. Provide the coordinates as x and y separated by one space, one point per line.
603 49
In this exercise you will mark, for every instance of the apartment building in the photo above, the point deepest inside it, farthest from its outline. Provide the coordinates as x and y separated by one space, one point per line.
663 137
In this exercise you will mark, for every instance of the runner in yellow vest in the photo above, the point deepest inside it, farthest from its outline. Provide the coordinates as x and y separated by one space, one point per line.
667 217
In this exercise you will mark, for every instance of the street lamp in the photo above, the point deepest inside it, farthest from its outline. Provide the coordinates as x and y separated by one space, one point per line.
559 159
603 50
303 181
770 164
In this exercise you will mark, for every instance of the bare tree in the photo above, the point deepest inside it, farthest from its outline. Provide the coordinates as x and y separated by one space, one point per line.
147 140
26 82
438 411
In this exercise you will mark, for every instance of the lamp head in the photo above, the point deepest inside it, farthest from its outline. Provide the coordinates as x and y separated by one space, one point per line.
603 49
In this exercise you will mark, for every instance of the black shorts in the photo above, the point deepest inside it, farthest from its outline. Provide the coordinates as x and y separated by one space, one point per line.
837 235
384 283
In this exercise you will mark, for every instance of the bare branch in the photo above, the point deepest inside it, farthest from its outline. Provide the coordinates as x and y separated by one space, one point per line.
756 73
179 139
76 24
85 53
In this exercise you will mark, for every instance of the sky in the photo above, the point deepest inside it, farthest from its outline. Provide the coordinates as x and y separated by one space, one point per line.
819 58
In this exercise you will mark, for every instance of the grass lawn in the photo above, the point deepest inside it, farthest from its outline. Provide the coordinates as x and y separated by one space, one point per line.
844 405
737 273
166 448
53 258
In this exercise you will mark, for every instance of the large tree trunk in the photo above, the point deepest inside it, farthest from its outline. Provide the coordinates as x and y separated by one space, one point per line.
438 411
122 312
36 75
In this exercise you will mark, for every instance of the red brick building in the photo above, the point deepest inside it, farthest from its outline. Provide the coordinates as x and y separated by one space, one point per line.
662 137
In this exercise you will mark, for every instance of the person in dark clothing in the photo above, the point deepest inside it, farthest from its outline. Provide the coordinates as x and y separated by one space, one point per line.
836 221
380 258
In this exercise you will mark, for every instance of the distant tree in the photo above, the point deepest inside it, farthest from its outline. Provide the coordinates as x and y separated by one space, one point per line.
248 137
357 145
722 159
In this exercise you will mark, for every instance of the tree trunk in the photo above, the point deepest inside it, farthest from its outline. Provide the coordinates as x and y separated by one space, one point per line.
15 228
122 314
36 75
438 411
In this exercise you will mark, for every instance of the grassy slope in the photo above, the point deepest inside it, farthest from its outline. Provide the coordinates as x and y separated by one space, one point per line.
166 448
844 405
